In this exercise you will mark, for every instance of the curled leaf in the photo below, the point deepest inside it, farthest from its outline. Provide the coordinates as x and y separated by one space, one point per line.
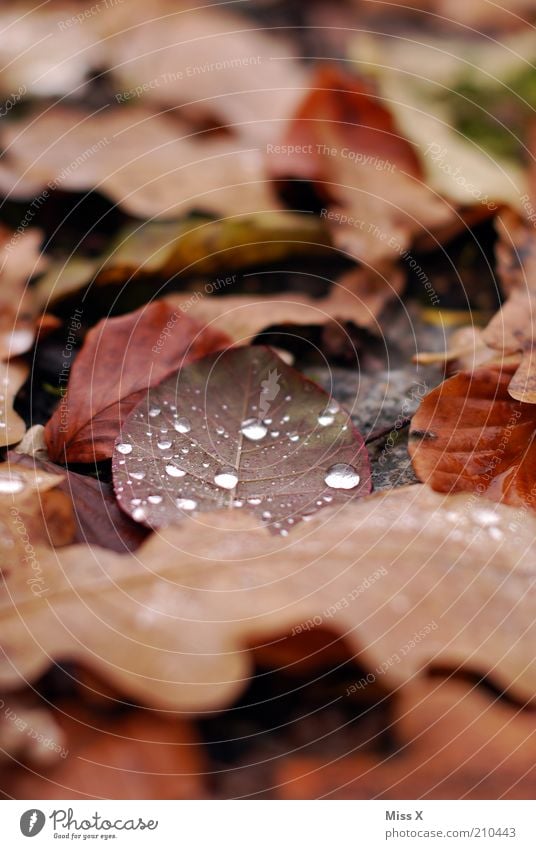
469 434
239 429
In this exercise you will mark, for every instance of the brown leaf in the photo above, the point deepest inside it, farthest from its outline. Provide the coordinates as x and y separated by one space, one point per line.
20 259
12 377
134 756
33 512
345 141
148 164
411 579
98 519
121 357
238 430
469 434
455 742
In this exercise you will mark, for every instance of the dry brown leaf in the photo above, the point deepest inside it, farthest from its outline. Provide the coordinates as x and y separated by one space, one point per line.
368 173
455 741
33 512
20 259
121 357
470 435
136 755
170 626
150 165
12 376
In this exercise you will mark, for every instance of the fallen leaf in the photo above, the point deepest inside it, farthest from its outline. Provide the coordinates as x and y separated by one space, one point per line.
238 429
97 516
454 742
12 376
33 512
411 579
132 756
347 143
20 259
151 165
121 357
469 434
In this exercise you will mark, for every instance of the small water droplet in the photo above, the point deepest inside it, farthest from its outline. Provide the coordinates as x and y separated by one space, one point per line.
294 437
254 500
124 447
182 425
154 412
186 503
138 476
164 444
274 433
139 514
174 472
342 476
155 499
253 429
226 478
266 515
238 503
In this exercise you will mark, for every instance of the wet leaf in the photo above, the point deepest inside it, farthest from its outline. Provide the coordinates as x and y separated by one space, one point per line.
239 429
411 579
469 434
121 357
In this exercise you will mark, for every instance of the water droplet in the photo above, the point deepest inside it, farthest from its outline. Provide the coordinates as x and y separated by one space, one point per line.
254 500
294 437
220 430
238 503
138 476
274 433
266 515
164 444
186 503
9 484
226 478
155 499
154 412
124 447
139 514
342 476
253 429
182 425
285 418
283 532
174 472
326 418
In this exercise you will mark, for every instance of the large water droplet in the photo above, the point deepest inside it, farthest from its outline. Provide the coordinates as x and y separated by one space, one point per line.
342 476
226 478
326 418
253 429
124 447
11 485
186 503
182 425
174 472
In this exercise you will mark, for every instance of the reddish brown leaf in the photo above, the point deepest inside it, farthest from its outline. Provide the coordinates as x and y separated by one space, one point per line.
469 434
238 429
121 357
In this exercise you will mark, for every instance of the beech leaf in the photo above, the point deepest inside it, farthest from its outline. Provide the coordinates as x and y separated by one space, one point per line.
411 579
120 358
469 434
238 429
